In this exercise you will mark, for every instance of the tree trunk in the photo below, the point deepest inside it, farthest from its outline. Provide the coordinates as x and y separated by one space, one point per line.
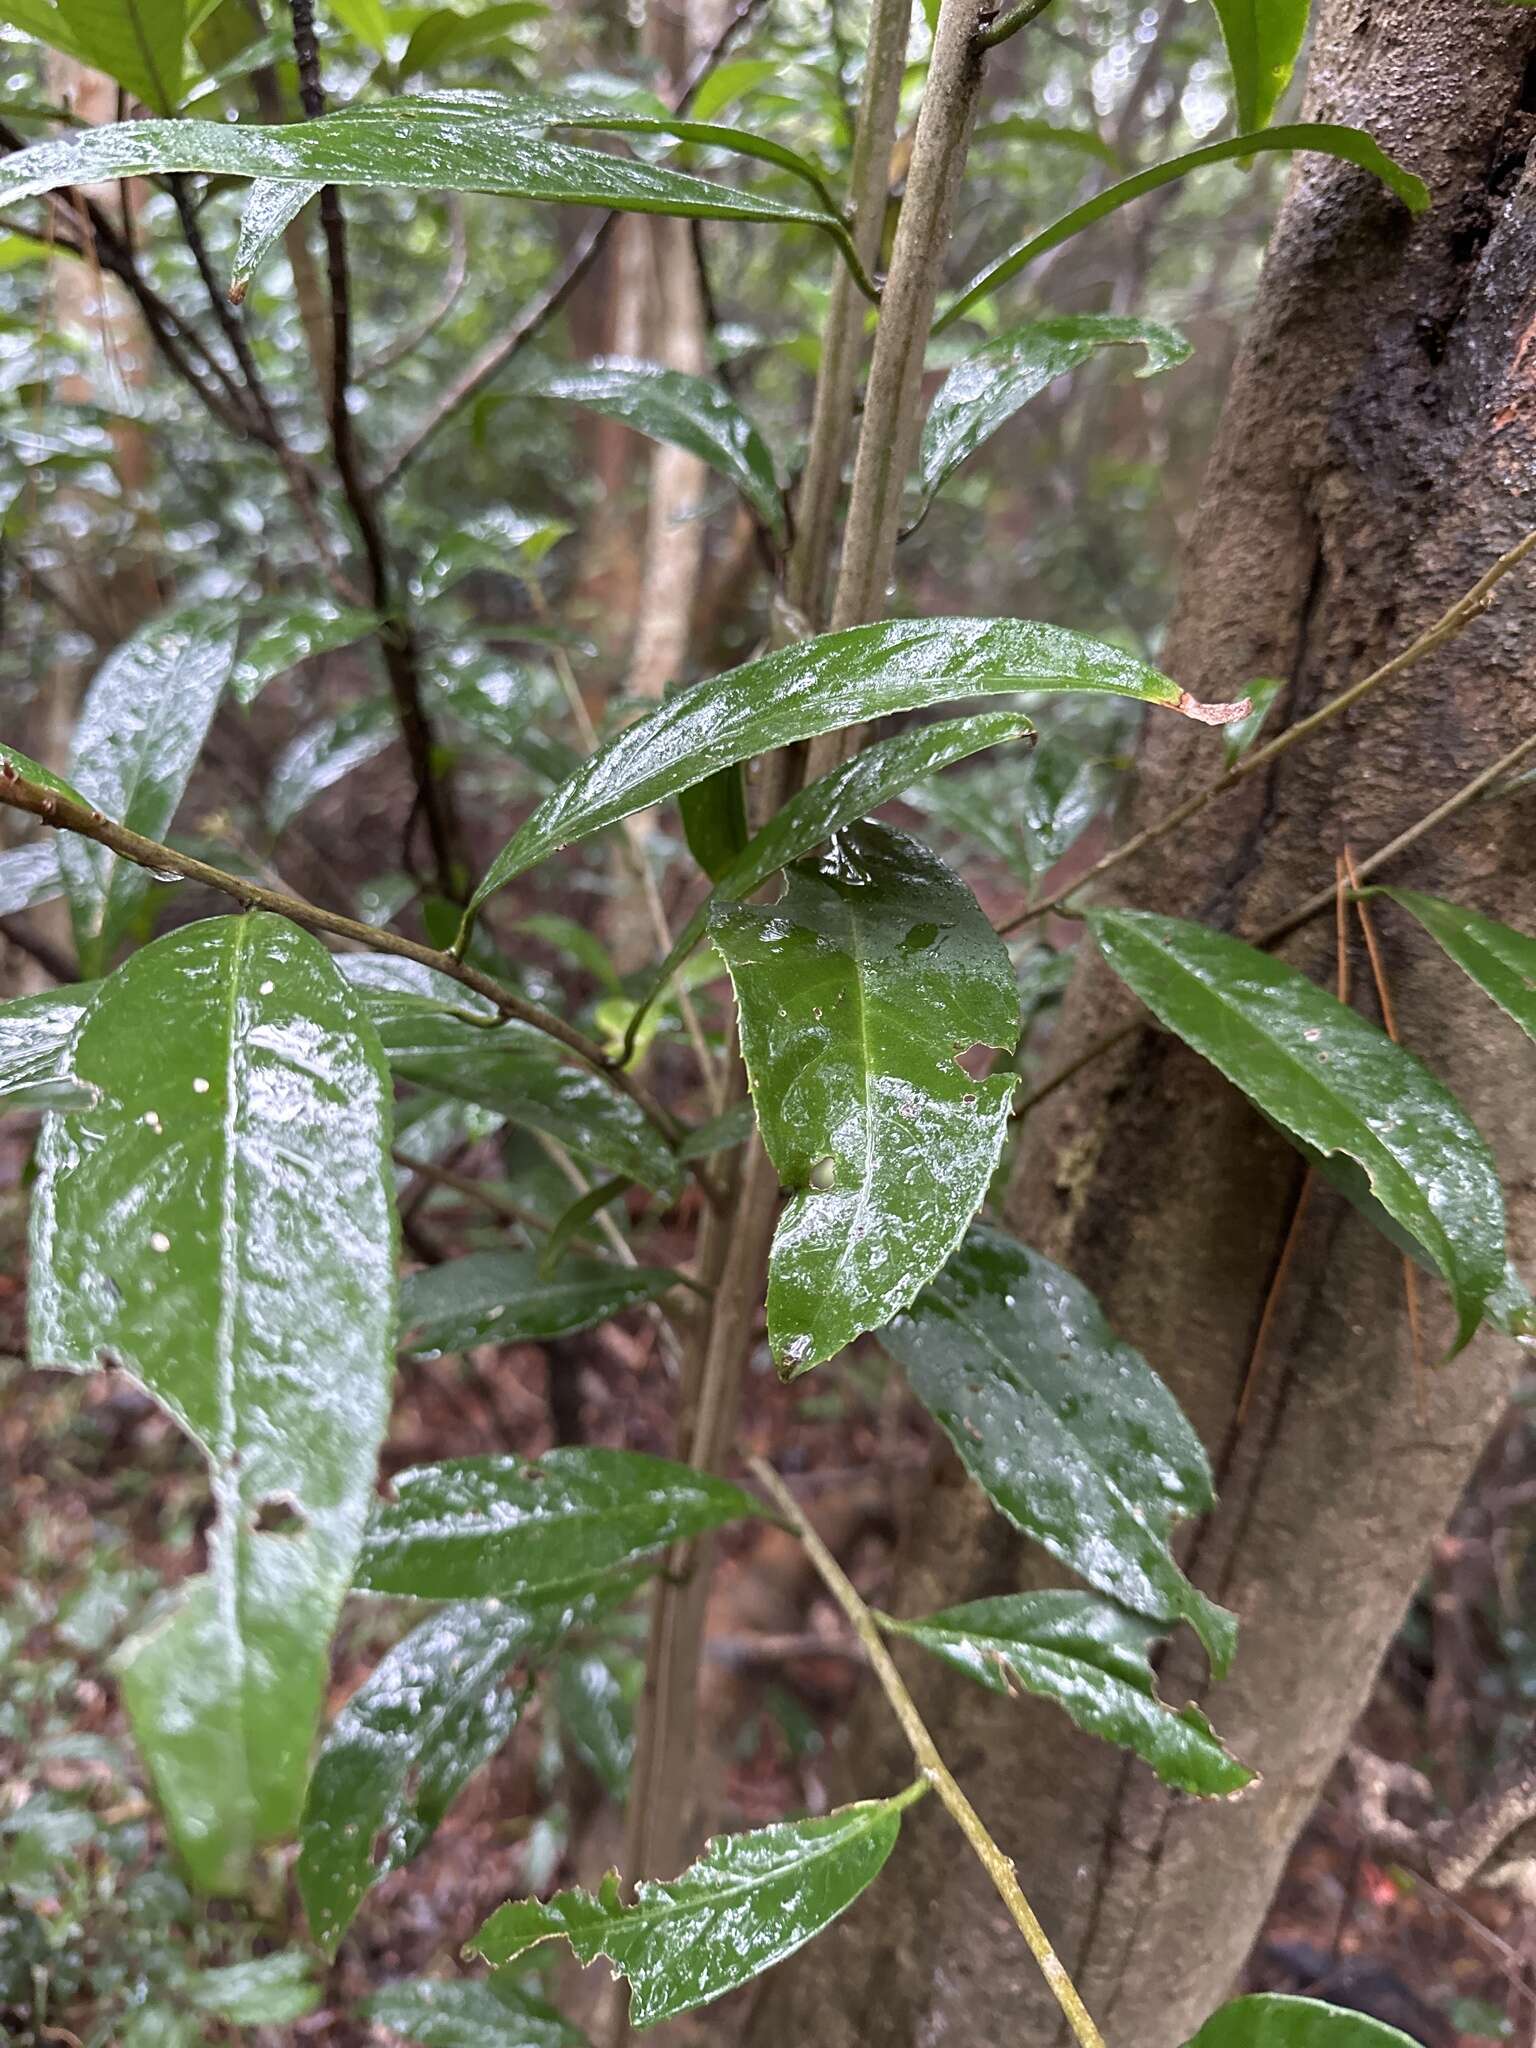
1375 456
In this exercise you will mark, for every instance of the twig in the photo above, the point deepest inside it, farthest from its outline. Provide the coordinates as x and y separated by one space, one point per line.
472 1190
65 814
397 636
1461 614
1010 23
448 296
999 1868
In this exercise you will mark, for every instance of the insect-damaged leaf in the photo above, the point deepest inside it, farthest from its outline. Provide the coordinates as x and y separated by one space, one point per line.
505 1528
857 992
749 1902
505 1298
1329 1077
1090 1656
818 686
220 1222
1068 1430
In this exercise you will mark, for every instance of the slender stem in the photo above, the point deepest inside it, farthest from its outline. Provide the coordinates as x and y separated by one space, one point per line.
63 812
397 636
1305 911
1011 22
1461 614
936 1772
472 1190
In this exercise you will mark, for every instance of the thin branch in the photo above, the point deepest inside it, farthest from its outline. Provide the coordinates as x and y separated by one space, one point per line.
454 281
54 808
472 1190
999 1868
1461 614
397 636
1010 23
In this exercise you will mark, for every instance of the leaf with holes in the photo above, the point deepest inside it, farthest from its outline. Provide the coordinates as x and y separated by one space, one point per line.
220 1222
821 685
1263 39
749 1902
505 1528
438 1707
1271 2021
458 2012
504 1298
137 739
1328 1077
857 992
1091 1658
988 388
1501 960
1067 1430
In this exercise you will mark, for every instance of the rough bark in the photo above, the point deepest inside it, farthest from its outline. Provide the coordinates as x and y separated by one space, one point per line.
1375 455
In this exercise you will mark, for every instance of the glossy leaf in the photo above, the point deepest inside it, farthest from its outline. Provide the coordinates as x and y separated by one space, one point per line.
1091 1658
317 759
841 797
1068 1430
440 2012
292 633
29 875
445 34
1272 2021
694 413
221 1223
140 43
855 993
1263 39
989 387
436 1709
501 1298
35 1036
596 1716
748 1903
817 686
447 1040
506 1529
1499 959
1353 145
137 739
1333 1080
267 1991
714 815
271 207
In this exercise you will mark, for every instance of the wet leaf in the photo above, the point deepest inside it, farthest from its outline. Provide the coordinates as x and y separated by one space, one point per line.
819 686
137 739
287 634
440 2013
323 755
269 1991
436 1709
445 34
1330 1078
856 992
1240 736
714 815
271 207
1501 960
140 43
1091 1658
1353 145
501 1298
35 1035
1263 39
1068 1431
1270 2021
689 412
505 1528
597 1716
221 1224
989 387
29 875
750 1901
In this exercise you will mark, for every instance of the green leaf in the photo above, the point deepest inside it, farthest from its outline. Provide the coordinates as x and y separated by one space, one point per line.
748 1903
730 82
856 992
841 797
1040 133
446 34
1270 2021
439 1036
137 739
1241 734
1353 145
140 43
596 1716
500 540
819 686
35 1035
291 633
1068 1430
575 1221
29 875
508 1529
989 387
1091 1658
722 1133
1499 959
440 2013
271 207
269 1991
317 759
693 413
1264 39
411 1737
1327 1076
714 815
221 1223
501 1298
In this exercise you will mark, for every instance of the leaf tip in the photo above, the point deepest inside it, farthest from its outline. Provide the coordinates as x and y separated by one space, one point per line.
1213 714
